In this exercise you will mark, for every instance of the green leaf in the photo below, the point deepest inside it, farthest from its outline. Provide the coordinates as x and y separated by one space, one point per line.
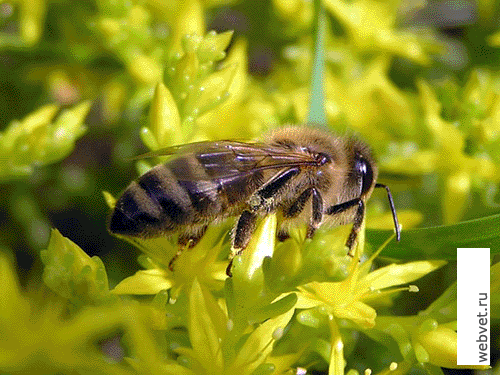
440 242
37 140
207 327
71 273
164 118
213 45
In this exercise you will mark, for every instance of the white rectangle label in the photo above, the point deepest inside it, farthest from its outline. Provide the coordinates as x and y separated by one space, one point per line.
473 306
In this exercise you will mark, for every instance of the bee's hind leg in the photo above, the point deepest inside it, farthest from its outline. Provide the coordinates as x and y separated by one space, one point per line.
242 233
264 198
244 229
187 240
298 205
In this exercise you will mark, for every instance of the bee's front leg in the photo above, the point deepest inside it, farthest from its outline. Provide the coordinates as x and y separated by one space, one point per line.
358 218
358 221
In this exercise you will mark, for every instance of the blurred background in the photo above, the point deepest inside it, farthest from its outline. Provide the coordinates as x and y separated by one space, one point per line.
419 80
113 53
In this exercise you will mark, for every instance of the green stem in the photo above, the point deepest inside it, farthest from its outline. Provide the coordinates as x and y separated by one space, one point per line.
317 113
337 352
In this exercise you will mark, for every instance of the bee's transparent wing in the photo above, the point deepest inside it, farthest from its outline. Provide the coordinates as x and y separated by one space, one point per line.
228 165
233 156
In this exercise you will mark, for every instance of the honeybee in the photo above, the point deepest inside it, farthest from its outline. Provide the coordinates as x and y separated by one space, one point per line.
304 174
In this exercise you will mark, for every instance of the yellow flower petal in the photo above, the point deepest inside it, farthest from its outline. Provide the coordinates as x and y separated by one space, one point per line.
260 246
441 346
359 312
207 328
397 274
144 282
259 344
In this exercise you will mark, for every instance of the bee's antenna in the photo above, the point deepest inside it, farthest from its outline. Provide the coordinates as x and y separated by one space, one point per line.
393 210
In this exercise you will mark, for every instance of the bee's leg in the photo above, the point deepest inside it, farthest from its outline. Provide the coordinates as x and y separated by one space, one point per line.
242 234
283 235
358 221
358 218
244 229
180 250
296 208
317 212
262 198
187 240
293 211
317 209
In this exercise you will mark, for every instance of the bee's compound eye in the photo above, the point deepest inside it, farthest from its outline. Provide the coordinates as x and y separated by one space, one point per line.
365 172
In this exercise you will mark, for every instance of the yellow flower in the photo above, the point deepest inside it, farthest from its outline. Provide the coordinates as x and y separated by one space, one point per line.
199 262
210 332
422 339
353 298
370 25
37 336
459 168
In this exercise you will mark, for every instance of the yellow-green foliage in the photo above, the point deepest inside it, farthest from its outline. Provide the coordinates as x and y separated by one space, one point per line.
37 139
289 306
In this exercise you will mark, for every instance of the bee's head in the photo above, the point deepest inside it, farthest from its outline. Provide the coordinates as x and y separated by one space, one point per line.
363 169
364 173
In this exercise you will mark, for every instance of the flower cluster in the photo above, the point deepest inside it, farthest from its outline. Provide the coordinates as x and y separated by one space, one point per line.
289 307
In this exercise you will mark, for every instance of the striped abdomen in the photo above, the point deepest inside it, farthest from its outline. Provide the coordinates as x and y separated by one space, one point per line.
185 191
